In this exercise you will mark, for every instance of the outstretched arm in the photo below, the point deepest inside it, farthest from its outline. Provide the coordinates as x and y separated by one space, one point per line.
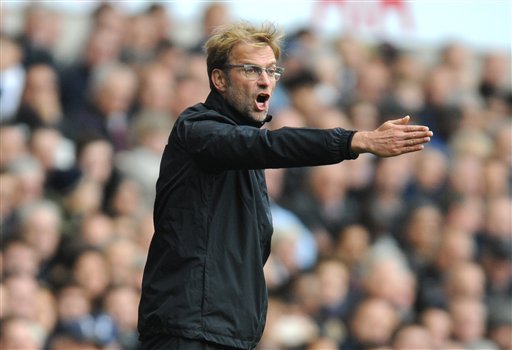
392 138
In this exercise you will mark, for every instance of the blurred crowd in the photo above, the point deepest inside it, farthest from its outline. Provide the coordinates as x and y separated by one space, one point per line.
412 252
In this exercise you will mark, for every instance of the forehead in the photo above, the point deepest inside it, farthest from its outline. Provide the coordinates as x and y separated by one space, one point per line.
252 54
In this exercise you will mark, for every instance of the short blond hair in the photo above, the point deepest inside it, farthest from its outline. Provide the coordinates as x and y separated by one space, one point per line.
224 38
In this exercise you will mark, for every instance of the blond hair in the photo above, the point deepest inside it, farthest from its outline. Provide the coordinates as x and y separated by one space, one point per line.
224 38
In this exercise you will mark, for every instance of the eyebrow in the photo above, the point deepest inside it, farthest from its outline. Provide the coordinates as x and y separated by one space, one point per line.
257 65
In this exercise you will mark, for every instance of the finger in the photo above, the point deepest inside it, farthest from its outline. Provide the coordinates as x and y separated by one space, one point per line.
415 139
413 128
418 135
418 141
412 148
415 148
401 121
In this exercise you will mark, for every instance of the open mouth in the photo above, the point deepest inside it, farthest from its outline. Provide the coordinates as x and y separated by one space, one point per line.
262 101
262 98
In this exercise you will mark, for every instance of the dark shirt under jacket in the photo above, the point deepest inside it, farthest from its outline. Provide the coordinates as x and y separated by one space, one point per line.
204 274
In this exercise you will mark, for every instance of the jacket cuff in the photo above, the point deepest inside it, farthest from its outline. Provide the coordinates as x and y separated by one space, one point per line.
352 154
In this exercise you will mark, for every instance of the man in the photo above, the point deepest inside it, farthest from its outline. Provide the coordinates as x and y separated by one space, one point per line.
203 285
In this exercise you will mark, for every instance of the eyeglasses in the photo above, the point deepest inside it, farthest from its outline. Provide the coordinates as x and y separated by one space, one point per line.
253 72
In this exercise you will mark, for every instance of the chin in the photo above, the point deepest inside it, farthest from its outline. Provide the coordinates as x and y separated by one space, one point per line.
259 117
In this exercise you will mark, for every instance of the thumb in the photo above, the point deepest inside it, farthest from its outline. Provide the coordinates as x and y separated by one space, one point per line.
401 121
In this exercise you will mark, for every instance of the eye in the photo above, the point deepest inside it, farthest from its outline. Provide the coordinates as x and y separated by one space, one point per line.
252 69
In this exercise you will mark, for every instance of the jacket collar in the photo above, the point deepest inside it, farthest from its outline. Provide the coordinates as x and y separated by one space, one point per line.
218 103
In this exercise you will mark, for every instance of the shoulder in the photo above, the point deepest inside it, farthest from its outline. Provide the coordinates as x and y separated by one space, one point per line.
201 113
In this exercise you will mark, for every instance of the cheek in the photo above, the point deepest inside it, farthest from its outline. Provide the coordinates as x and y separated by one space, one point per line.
245 91
239 94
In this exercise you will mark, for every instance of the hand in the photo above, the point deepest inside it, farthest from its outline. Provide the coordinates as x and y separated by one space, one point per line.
392 138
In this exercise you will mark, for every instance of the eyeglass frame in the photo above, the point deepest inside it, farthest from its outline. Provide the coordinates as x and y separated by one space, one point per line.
275 75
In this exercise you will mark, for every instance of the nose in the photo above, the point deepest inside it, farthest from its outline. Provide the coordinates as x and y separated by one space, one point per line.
264 79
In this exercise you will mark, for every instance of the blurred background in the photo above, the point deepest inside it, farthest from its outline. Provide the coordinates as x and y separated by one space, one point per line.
413 252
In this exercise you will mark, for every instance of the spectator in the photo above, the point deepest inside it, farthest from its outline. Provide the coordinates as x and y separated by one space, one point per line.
91 332
497 218
387 277
412 337
83 199
72 303
305 253
457 58
191 88
22 291
290 330
142 162
372 325
31 179
18 333
469 323
102 46
141 39
496 256
500 322
96 162
41 30
121 304
92 273
493 81
122 255
46 309
363 115
109 17
127 200
161 16
455 247
13 144
326 206
439 325
108 115
335 299
20 258
97 229
12 78
305 292
384 205
423 230
352 246
214 15
9 196
440 111
465 214
301 93
40 226
465 279
373 82
496 178
430 174
503 141
40 102
323 344
354 56
56 154
157 91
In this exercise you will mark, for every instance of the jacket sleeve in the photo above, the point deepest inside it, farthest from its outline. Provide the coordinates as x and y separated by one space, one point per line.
217 145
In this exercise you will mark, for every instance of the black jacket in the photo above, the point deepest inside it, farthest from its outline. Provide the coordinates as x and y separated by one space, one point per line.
204 274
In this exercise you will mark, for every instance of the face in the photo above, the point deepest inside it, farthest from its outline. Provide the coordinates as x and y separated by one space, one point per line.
241 92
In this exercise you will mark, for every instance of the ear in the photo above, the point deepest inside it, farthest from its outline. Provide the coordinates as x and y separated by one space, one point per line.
219 80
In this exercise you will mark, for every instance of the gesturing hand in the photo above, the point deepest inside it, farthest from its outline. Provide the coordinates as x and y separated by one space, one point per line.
392 138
